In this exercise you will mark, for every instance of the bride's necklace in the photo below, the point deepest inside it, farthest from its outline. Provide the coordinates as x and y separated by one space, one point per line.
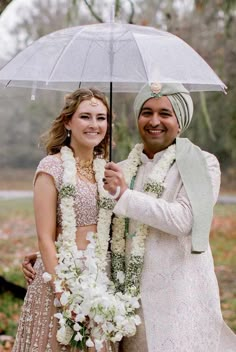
85 168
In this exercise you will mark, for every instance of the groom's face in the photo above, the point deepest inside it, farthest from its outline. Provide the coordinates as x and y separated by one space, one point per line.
158 125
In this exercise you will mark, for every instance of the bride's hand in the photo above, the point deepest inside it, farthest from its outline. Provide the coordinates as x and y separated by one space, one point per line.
114 181
27 267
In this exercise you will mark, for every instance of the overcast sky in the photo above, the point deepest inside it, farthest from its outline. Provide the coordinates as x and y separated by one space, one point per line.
8 19
16 10
19 8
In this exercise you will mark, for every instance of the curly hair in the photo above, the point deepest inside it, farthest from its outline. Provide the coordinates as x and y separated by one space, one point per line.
56 137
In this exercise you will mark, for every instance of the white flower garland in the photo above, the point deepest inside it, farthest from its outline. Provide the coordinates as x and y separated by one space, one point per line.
127 279
91 312
106 206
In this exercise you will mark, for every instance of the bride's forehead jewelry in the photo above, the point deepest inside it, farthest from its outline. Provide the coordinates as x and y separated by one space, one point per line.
93 101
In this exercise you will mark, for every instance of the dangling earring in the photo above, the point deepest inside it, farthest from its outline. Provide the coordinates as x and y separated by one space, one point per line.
68 133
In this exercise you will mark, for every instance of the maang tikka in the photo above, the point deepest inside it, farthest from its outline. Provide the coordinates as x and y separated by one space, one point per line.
93 101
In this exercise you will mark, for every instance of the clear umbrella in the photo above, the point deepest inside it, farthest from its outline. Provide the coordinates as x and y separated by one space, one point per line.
112 57
125 54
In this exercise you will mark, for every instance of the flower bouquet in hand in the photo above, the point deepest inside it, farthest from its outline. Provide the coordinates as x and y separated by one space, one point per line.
91 313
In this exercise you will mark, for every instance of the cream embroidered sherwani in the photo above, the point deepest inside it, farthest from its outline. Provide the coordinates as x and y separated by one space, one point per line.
179 290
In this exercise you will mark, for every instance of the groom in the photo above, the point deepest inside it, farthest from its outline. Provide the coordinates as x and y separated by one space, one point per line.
165 193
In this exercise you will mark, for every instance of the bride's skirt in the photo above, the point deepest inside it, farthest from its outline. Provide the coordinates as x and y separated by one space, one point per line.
37 326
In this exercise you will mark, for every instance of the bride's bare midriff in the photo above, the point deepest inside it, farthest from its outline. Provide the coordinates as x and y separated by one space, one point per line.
81 234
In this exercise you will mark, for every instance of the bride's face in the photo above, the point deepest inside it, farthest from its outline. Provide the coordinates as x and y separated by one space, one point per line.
88 124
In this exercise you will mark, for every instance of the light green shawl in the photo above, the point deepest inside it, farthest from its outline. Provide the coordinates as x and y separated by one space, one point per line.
194 173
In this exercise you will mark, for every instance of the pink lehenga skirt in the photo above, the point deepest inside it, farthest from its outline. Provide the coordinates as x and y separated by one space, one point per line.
37 326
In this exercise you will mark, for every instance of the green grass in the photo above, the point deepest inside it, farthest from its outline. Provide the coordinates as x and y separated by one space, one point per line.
223 235
229 309
15 208
10 308
13 274
225 210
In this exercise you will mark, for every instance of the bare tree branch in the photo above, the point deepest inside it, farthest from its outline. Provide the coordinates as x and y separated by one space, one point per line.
117 7
131 16
4 4
206 115
93 13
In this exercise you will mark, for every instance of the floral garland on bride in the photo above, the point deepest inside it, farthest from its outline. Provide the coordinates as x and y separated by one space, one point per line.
90 313
126 276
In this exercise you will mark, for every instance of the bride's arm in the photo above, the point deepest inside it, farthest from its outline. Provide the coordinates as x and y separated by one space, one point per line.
45 204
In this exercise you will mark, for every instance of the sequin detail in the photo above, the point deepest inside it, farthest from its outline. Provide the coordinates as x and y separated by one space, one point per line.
86 208
38 326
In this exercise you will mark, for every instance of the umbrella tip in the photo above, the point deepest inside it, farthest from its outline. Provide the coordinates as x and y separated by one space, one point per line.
225 89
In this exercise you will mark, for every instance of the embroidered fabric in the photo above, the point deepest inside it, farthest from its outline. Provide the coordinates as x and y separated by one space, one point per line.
37 326
179 290
86 209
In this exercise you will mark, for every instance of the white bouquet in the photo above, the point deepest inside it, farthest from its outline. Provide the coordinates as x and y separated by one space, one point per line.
91 313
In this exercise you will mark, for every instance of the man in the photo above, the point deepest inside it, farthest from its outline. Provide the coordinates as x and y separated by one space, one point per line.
169 201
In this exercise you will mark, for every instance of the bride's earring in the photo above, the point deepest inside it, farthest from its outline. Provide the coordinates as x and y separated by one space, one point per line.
68 133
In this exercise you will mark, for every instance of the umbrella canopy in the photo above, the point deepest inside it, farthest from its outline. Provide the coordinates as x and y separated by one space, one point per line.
95 55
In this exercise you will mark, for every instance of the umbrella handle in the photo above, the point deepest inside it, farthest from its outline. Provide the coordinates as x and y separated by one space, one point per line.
110 125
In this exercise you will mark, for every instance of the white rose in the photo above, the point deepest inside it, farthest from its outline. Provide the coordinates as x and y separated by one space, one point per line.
47 277
64 335
98 344
89 343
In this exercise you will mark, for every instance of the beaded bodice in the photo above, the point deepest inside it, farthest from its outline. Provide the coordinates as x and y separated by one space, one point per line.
86 208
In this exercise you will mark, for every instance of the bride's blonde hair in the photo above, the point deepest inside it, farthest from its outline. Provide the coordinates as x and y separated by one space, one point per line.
57 136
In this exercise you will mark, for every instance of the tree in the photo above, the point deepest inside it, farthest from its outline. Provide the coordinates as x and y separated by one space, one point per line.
4 4
208 26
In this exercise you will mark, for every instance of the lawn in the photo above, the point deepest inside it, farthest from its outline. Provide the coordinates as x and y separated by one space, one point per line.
17 237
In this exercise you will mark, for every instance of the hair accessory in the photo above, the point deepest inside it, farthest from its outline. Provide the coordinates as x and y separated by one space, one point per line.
93 101
156 89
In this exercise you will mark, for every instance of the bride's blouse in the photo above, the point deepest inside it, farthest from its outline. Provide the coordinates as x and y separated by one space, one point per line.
86 208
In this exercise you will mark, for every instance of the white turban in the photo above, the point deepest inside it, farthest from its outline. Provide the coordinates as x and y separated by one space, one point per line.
179 97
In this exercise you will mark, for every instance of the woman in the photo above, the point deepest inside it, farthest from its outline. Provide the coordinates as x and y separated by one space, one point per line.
82 128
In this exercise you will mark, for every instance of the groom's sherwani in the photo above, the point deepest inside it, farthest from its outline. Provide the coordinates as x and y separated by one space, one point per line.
179 290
